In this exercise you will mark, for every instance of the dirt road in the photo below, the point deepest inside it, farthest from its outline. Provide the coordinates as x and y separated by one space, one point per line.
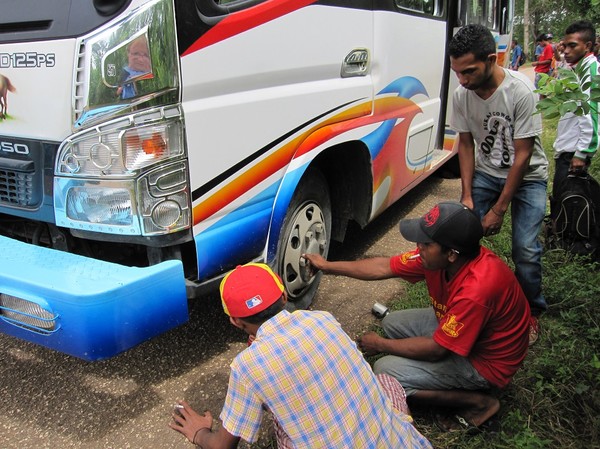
50 400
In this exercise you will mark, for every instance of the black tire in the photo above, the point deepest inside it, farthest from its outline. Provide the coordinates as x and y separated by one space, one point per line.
306 229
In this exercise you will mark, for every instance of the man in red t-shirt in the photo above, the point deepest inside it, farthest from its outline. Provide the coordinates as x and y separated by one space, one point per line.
476 334
544 62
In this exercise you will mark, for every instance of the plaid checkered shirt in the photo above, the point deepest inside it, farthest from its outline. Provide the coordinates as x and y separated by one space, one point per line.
306 370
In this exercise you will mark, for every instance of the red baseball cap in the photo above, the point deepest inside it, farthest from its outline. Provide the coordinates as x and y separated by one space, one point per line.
250 289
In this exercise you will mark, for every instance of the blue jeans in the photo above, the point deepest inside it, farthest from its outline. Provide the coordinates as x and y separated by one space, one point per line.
451 373
528 209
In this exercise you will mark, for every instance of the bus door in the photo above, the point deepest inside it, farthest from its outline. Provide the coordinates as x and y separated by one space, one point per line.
497 16
410 40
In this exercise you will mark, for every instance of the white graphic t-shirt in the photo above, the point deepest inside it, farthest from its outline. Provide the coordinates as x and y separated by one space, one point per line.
497 121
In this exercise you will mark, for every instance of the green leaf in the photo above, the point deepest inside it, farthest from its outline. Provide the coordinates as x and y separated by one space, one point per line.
569 106
567 74
550 115
586 108
545 79
558 88
545 103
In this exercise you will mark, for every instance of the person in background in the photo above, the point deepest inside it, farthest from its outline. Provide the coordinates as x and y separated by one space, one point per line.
538 48
559 57
306 371
577 137
502 162
517 53
475 335
544 61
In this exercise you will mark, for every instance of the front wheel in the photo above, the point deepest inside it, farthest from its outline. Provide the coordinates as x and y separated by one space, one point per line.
306 229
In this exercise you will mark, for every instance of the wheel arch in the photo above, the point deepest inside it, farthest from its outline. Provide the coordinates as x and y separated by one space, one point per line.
347 170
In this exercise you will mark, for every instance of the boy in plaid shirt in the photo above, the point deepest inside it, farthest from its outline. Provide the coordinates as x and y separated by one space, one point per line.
305 370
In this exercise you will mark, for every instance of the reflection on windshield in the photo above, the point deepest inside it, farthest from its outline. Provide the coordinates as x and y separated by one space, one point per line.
138 67
483 12
131 66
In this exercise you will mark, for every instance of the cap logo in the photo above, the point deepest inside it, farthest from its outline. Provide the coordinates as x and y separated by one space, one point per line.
432 216
253 302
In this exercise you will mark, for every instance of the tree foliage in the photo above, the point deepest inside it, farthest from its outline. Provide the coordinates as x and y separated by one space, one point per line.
553 16
574 90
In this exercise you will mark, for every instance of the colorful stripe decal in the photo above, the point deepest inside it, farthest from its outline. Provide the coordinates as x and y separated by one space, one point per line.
197 193
388 109
245 20
265 168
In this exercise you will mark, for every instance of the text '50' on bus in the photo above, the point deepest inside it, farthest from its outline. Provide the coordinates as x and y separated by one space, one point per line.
149 146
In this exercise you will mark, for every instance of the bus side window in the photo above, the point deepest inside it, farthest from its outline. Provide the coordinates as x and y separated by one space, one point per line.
429 7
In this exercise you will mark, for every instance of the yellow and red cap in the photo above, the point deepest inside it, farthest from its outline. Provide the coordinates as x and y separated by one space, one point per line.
250 289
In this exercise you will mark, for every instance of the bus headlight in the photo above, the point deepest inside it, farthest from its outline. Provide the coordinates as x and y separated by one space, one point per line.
164 199
121 151
166 214
131 181
156 203
100 205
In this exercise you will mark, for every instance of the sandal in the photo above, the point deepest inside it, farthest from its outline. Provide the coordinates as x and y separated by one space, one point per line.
457 423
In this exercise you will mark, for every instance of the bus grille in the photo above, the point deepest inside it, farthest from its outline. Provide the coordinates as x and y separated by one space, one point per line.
78 93
16 188
26 314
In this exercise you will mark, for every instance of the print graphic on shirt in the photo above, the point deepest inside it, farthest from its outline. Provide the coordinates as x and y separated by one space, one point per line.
440 309
497 147
406 257
452 327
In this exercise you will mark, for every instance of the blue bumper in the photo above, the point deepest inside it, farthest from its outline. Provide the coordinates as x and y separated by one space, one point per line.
86 307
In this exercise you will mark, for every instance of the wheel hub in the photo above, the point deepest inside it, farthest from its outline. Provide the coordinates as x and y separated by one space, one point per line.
308 235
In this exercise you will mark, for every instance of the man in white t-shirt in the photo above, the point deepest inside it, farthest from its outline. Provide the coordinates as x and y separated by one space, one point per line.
502 161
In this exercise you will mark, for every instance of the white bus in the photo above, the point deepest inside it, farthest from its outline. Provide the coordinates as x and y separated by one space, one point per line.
148 146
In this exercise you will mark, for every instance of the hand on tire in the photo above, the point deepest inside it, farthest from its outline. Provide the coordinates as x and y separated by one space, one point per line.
315 262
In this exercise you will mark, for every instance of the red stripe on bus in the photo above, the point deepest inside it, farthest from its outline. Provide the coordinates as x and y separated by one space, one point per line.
245 20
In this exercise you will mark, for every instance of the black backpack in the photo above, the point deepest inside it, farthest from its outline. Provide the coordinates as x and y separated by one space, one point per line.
522 59
574 216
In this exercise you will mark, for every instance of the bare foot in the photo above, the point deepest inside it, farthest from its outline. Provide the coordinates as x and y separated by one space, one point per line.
477 416
469 419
